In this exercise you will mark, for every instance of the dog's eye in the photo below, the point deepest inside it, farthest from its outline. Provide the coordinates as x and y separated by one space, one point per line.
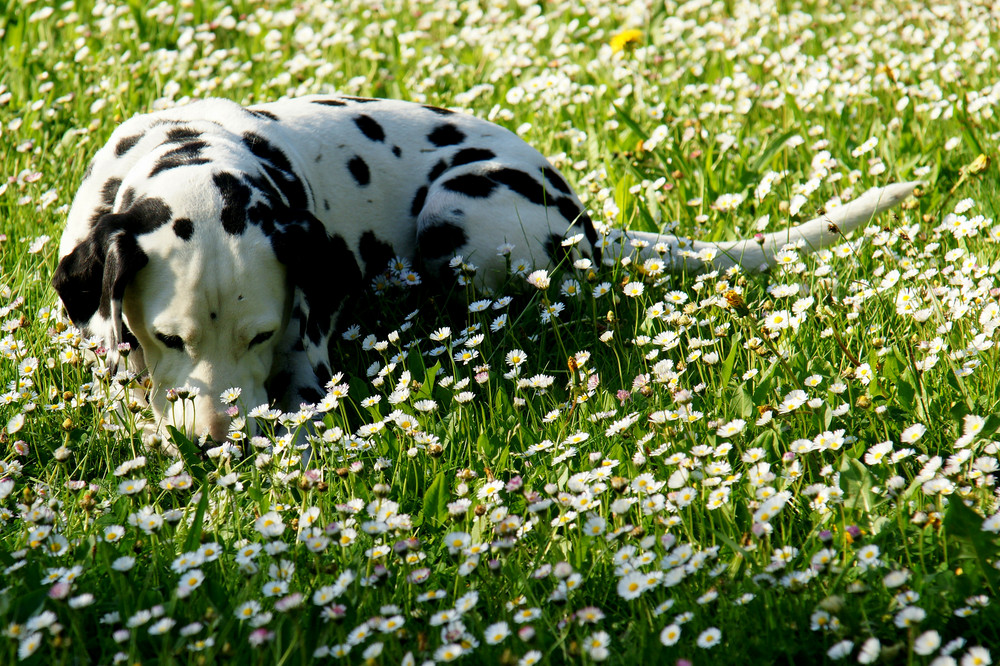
261 338
171 341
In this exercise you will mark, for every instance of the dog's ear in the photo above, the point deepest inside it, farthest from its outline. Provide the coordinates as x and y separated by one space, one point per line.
321 267
79 277
122 262
92 278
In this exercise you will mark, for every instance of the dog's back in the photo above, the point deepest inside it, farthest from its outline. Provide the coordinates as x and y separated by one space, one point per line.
390 177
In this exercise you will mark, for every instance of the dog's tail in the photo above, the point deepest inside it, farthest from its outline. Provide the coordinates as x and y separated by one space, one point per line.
759 253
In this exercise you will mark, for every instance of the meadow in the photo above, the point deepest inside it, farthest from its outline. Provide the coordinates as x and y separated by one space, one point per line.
598 464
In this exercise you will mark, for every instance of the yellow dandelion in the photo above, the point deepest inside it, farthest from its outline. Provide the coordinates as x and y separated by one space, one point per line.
625 39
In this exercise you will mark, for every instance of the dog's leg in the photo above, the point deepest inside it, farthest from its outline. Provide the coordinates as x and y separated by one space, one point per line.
475 209
302 373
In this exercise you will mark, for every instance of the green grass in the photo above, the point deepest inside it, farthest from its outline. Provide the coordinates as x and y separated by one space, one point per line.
621 506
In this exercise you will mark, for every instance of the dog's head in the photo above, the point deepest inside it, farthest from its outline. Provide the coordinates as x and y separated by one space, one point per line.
201 270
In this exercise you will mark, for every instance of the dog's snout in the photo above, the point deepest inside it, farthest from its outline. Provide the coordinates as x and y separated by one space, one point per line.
218 427
198 419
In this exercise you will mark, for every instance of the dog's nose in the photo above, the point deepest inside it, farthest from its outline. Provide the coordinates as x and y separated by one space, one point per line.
195 426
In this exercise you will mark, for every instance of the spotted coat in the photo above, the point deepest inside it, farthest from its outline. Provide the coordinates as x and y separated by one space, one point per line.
336 186
221 242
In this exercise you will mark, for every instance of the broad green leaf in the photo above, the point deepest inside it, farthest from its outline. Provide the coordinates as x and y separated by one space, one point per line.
743 402
190 454
436 500
768 440
194 532
485 446
857 483
966 526
727 365
905 391
426 389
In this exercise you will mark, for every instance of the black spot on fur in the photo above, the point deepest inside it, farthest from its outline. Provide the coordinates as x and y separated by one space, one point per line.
440 240
326 204
262 114
359 170
235 200
187 154
266 151
469 155
418 201
322 268
555 250
396 151
556 180
446 135
183 227
369 127
261 213
323 375
147 214
572 212
182 135
329 102
262 216
278 384
110 190
127 144
360 100
471 185
529 188
310 394
264 186
128 197
590 233
438 169
438 110
129 337
277 166
375 253
108 193
480 186
523 184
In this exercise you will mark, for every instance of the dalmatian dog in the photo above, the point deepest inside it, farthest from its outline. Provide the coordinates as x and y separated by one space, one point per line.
221 242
